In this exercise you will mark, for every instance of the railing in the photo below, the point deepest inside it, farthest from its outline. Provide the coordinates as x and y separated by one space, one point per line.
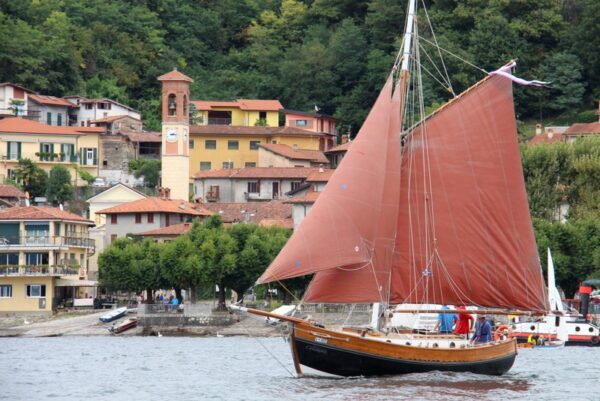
258 196
46 240
212 196
159 308
219 121
38 270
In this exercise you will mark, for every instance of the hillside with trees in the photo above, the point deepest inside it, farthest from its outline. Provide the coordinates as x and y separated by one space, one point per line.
330 53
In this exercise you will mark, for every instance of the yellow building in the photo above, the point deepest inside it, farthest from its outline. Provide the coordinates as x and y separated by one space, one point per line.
48 146
44 256
214 147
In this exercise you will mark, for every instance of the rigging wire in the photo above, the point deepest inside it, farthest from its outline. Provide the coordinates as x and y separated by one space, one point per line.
455 56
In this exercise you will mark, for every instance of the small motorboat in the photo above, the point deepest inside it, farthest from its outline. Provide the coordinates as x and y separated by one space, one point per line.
124 326
113 315
542 345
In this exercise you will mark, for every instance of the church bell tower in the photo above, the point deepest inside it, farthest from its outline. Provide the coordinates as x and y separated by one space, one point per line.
175 133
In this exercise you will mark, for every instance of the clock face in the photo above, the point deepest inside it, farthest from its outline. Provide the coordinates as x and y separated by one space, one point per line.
171 135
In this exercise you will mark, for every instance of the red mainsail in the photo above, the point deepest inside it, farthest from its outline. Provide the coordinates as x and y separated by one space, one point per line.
464 230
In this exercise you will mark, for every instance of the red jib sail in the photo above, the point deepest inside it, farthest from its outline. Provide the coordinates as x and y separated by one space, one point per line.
340 230
464 230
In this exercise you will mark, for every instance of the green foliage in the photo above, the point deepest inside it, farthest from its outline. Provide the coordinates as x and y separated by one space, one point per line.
564 71
210 254
147 168
83 174
33 178
60 186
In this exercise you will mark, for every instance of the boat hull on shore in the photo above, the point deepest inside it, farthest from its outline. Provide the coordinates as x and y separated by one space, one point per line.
343 353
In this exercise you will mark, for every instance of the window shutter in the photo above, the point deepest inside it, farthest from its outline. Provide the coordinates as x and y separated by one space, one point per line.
51 152
8 150
73 155
62 152
95 157
83 156
19 150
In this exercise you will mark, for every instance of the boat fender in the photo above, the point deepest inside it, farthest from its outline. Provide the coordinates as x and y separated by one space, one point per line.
595 340
503 332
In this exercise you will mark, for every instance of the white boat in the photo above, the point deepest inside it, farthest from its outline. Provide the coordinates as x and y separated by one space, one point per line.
561 324
113 315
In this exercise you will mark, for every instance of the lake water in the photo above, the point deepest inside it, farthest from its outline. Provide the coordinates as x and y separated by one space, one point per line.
240 368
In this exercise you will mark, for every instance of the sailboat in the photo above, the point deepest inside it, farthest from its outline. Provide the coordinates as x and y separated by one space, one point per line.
560 324
421 210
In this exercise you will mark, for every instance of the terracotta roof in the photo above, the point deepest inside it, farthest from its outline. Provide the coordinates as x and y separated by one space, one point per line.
24 126
176 229
315 156
50 100
286 223
40 213
113 118
10 191
175 76
158 205
144 136
242 104
257 172
340 148
309 197
263 213
237 130
546 138
16 86
320 176
582 129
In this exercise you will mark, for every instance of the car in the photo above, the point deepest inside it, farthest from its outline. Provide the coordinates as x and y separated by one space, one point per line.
99 182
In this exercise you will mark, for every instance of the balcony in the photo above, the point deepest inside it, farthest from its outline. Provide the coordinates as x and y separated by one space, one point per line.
257 196
38 270
52 242
219 121
212 196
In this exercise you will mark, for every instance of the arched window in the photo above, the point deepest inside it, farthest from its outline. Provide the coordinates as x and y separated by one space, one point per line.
172 105
185 106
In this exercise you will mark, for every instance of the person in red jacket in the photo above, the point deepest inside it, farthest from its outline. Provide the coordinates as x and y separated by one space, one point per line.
465 323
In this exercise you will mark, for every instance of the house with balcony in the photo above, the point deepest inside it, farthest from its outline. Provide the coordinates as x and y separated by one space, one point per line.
87 111
249 184
337 153
14 101
148 214
241 112
48 146
44 254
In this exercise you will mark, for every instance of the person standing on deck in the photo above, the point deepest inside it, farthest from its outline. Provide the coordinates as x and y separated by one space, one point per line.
445 321
483 331
465 323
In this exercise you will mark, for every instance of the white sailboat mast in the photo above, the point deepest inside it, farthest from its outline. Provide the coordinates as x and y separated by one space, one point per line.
408 35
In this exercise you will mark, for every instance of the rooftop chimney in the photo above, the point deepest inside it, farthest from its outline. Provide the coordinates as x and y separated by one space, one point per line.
60 206
538 129
344 138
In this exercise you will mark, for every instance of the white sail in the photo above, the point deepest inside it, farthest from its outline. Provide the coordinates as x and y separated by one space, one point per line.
553 294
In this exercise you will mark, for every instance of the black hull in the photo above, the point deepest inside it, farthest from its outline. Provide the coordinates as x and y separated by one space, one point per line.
340 362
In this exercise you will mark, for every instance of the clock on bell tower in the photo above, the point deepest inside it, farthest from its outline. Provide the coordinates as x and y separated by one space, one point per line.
175 133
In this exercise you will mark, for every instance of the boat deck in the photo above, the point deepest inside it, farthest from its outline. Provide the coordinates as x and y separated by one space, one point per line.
429 340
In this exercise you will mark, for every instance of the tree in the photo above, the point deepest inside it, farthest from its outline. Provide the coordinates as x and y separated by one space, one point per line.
60 187
33 178
148 169
564 71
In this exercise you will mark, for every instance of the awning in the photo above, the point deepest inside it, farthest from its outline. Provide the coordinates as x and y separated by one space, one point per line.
61 282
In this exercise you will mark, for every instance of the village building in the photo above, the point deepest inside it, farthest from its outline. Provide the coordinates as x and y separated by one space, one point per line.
281 155
122 147
10 196
337 153
304 197
215 147
316 122
49 109
576 131
247 184
240 113
44 256
148 214
265 214
87 112
48 146
114 124
14 101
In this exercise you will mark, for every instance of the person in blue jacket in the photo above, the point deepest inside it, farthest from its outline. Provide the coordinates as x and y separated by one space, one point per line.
483 331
